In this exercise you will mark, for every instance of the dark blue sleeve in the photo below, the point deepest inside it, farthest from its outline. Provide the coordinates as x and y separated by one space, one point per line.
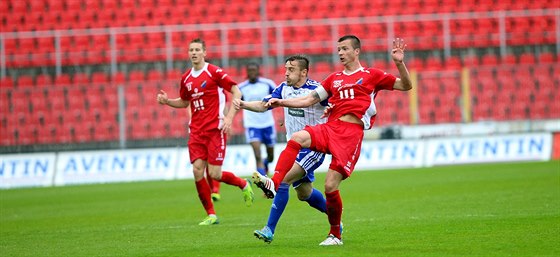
276 93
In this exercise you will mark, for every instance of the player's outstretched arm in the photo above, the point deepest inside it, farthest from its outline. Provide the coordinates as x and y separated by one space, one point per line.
175 103
254 106
298 102
403 83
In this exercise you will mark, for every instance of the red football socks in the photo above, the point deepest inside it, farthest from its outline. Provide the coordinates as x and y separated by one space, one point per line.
334 211
214 184
204 195
231 179
285 162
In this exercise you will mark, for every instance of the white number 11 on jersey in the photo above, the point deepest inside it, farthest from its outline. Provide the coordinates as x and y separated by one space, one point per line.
198 105
347 93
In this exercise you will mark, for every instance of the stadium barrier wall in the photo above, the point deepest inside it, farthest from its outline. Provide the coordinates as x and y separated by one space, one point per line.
68 168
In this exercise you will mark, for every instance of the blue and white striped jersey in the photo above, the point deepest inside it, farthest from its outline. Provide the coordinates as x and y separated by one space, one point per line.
297 118
256 92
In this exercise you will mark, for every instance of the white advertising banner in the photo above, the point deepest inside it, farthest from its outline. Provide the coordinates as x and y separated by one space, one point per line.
521 147
115 166
25 170
391 154
22 170
239 160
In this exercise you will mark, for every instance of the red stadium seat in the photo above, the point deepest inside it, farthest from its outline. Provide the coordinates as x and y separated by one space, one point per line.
25 81
6 82
99 78
62 80
43 80
80 78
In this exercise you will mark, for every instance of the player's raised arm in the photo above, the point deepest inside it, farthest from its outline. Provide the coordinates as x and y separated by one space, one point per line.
403 83
162 98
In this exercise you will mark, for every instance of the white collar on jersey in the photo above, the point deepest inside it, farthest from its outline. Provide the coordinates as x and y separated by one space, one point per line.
196 73
350 73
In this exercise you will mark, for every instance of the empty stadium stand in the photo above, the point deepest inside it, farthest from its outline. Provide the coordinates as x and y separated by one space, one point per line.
82 105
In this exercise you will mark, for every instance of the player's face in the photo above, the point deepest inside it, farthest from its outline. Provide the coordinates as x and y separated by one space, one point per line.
196 53
293 74
252 72
346 53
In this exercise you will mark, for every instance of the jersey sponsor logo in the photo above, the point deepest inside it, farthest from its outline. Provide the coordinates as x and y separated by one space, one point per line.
197 94
203 85
337 83
189 86
296 112
218 70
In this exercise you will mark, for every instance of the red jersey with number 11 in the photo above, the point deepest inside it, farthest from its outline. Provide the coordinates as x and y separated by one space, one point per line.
204 89
353 93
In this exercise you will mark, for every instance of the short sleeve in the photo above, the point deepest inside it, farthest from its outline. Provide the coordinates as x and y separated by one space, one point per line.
327 83
383 80
222 78
183 93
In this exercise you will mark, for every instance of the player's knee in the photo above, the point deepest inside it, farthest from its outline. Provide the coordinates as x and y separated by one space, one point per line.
304 191
301 137
302 196
216 176
330 186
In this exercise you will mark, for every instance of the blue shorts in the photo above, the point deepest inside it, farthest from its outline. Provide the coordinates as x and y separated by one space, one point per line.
309 160
266 135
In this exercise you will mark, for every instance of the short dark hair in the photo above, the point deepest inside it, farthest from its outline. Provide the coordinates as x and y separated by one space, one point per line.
302 60
252 64
200 41
356 44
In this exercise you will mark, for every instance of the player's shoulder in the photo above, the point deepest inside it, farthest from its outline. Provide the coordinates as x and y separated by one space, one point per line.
267 81
213 68
374 71
281 86
243 84
311 84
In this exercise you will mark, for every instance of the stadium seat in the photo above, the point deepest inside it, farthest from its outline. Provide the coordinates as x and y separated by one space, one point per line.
43 80
6 82
99 78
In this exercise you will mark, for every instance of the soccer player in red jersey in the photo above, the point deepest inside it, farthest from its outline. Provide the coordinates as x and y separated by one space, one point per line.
202 87
351 93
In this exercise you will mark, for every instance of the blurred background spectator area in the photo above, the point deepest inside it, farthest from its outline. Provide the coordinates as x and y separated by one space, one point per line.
84 74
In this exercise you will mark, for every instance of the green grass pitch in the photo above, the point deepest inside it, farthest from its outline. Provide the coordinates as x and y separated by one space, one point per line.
508 209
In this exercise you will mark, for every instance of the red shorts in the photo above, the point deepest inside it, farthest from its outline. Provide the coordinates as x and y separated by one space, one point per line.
341 139
208 145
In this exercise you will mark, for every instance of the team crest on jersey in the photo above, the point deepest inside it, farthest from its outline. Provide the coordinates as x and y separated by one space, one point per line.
203 85
337 83
359 82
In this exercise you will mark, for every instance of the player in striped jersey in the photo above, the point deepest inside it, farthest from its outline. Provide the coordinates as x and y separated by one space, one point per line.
301 174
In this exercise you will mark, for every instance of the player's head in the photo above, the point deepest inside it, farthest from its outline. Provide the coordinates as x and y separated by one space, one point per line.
197 51
297 67
348 48
253 72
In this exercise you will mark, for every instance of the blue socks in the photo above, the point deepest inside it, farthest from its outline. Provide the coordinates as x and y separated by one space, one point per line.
317 201
261 171
278 205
